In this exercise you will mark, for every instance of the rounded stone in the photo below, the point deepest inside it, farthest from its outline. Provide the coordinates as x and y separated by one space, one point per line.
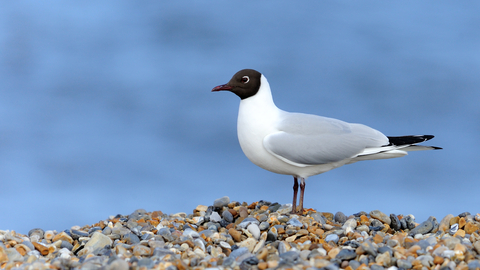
332 237
264 225
131 239
254 230
227 216
221 202
346 254
340 217
36 231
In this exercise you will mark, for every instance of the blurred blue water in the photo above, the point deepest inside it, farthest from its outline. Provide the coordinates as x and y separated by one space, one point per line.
106 107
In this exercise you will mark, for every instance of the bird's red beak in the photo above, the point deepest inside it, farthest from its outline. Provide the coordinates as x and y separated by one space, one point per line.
222 88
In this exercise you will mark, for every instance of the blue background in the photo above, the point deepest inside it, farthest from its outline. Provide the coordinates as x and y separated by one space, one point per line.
105 107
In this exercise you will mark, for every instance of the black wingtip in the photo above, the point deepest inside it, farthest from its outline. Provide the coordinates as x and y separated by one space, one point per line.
411 139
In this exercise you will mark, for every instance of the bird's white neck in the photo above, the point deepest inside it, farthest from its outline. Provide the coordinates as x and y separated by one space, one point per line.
262 102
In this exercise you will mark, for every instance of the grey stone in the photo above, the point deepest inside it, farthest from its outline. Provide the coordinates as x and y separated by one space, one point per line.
65 244
290 256
319 218
392 243
77 234
423 228
228 262
410 222
403 223
227 216
131 239
369 248
238 252
404 264
244 224
264 225
295 222
423 244
145 262
385 249
340 217
248 263
281 248
473 265
332 237
346 254
262 218
274 207
36 231
395 222
221 202
138 214
376 267
354 264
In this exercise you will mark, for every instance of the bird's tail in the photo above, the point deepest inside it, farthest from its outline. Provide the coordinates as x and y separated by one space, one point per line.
397 147
409 143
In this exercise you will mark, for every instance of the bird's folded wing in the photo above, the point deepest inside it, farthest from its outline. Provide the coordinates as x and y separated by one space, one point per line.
306 150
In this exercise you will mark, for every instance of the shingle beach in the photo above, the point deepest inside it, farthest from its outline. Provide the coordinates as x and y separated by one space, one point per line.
258 235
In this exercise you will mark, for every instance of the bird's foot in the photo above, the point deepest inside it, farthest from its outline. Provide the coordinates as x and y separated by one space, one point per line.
297 211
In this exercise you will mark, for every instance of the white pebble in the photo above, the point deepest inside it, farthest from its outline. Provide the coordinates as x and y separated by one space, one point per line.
224 244
322 251
349 225
254 230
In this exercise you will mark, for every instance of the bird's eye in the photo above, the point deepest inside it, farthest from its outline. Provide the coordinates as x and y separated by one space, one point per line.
245 79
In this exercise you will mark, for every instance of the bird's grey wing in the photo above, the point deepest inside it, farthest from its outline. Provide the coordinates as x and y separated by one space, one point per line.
305 140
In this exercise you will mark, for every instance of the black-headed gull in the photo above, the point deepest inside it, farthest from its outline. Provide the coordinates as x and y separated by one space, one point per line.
300 144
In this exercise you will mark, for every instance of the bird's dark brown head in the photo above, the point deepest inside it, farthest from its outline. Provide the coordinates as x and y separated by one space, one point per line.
244 83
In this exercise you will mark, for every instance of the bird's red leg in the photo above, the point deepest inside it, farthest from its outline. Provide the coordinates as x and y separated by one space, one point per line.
295 191
302 190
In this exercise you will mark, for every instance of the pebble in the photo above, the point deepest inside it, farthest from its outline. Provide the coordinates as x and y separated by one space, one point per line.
263 235
425 227
254 230
346 254
349 225
332 237
377 214
227 216
215 217
395 222
221 202
340 217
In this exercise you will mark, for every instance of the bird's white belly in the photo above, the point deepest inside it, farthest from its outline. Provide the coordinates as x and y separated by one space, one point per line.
252 129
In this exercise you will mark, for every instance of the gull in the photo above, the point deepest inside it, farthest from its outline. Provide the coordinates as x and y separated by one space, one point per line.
303 145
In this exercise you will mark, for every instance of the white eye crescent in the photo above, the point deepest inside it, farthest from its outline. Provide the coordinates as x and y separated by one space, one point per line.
245 79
